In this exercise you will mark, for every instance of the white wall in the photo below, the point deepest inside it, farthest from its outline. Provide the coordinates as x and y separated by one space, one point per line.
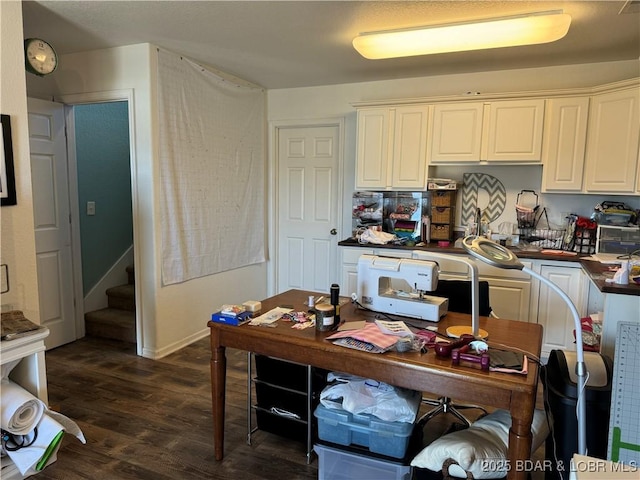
176 315
18 237
337 100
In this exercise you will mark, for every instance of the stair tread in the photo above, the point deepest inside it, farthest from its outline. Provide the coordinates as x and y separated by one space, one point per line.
114 316
124 291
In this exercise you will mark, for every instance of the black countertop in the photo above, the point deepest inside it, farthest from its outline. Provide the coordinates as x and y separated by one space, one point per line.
597 271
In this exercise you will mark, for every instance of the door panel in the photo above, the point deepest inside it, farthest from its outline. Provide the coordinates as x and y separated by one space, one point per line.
308 208
47 143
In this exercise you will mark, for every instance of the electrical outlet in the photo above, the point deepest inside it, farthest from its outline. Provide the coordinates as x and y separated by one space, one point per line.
91 208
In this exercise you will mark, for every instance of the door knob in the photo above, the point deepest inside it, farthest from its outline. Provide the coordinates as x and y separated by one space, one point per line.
334 231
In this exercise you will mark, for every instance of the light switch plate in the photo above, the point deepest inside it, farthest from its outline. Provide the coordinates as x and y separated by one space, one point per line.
91 208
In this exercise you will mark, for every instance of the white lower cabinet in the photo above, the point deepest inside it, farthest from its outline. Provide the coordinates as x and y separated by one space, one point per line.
514 295
552 311
509 290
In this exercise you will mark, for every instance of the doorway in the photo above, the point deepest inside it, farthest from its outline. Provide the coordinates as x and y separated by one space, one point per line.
97 172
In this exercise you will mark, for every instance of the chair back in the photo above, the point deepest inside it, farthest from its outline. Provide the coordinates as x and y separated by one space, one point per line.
459 294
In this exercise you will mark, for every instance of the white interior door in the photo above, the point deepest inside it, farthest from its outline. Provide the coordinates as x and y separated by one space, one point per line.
47 142
308 211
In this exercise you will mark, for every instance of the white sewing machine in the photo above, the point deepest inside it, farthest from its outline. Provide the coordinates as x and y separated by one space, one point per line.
398 286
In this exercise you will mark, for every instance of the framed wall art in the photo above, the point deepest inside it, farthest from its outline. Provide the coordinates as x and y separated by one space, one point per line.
7 175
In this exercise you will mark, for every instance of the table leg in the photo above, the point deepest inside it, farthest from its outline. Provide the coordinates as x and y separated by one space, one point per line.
218 385
520 439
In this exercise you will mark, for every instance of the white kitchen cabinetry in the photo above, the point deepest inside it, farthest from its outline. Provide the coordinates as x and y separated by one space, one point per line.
612 148
553 313
350 258
508 131
509 290
515 131
563 150
392 148
456 132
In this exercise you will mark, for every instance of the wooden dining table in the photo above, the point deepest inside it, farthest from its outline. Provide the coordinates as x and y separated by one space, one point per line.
425 372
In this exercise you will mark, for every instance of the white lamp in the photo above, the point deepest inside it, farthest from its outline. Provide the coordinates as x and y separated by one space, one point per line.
529 29
501 257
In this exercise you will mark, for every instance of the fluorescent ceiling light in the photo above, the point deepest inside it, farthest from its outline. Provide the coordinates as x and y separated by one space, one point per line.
529 29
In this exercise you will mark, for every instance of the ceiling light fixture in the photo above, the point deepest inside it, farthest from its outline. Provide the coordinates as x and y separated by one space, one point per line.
528 29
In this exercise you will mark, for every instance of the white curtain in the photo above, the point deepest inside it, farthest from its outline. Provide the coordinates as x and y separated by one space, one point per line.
212 168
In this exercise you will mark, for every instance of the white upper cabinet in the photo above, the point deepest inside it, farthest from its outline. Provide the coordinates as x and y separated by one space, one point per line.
515 131
507 131
392 148
373 148
456 133
563 149
612 146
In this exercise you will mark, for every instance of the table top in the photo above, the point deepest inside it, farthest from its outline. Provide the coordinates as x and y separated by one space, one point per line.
424 372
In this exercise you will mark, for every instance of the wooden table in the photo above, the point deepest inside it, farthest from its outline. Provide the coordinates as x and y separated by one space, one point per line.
422 372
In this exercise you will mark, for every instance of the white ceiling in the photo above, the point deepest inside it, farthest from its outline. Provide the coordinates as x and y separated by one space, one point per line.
307 43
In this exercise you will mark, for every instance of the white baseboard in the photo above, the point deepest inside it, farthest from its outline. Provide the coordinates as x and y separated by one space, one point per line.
174 347
117 275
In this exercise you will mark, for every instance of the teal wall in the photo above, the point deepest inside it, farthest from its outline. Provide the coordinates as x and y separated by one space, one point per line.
104 177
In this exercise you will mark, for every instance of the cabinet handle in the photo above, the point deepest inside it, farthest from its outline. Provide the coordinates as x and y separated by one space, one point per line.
333 231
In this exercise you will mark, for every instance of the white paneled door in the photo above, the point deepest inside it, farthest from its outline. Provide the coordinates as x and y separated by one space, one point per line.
47 142
307 187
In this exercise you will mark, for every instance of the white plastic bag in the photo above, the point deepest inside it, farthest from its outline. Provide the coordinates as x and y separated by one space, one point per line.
376 237
365 396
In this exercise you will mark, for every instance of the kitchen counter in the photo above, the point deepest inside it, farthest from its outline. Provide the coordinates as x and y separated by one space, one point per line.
599 272
433 247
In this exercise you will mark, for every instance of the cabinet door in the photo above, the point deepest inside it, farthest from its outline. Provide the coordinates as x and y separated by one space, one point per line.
456 133
349 283
563 149
409 158
372 163
510 299
515 131
553 313
350 258
612 149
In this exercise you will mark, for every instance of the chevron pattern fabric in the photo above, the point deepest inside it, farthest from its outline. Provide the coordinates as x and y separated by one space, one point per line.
473 182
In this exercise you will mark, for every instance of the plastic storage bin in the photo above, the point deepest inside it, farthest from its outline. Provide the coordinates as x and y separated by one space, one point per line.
563 396
345 428
336 464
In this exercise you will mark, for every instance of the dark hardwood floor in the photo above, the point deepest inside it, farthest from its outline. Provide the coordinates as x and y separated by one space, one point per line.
151 419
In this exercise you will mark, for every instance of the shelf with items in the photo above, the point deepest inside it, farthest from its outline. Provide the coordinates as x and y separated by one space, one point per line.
442 214
24 358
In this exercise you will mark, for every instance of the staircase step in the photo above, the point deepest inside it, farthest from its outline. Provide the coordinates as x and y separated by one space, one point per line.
122 297
111 323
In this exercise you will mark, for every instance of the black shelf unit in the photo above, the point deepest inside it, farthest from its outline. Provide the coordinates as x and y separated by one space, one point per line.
287 394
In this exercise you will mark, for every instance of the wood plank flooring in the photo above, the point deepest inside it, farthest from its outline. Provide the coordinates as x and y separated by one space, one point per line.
151 419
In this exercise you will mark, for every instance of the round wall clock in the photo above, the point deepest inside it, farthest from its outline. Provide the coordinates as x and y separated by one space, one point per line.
40 58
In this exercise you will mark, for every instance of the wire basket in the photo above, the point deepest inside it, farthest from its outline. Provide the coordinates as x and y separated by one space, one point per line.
527 217
545 238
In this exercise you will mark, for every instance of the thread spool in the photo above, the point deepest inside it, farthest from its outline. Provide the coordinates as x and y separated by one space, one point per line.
325 317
